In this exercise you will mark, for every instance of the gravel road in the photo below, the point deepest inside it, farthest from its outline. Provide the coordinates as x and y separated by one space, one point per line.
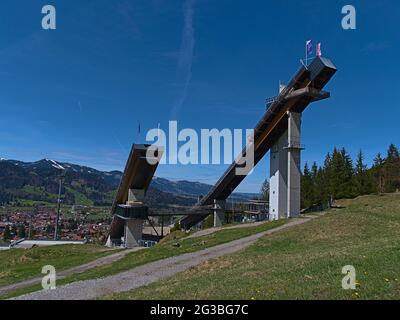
148 273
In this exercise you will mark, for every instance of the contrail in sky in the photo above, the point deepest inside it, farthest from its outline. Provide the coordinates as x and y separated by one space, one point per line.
119 143
185 56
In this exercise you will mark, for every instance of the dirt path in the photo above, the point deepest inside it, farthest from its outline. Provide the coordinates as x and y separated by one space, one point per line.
62 274
148 273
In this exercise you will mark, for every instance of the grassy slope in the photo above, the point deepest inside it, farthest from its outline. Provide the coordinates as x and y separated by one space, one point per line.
303 262
163 250
17 265
80 198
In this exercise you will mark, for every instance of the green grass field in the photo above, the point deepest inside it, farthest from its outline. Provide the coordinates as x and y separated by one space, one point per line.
17 265
303 262
164 250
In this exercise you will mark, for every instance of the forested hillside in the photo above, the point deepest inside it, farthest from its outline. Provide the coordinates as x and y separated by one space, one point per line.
340 177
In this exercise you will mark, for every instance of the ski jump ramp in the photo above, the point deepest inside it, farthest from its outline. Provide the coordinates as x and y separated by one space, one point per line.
129 209
278 131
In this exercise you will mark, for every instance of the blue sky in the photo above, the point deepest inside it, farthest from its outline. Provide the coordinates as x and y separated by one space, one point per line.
77 94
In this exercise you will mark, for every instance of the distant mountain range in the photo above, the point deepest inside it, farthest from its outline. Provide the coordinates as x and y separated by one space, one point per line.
28 183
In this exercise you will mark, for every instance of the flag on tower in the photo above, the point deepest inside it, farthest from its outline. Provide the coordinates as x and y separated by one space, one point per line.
319 52
309 47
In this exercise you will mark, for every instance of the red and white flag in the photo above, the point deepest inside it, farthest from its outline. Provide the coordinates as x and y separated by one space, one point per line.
319 52
309 48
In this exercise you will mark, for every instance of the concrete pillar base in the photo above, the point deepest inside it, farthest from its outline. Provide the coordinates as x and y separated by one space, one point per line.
219 212
109 243
133 232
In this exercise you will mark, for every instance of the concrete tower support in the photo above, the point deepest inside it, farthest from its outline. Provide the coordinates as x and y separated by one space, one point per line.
285 171
294 171
219 212
133 232
278 179
134 226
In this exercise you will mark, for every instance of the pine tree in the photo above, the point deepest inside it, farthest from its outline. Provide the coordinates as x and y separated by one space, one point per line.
317 198
264 192
393 154
328 159
360 175
307 189
364 178
322 184
14 230
348 176
392 169
21 231
7 234
338 176
378 173
327 177
360 166
314 171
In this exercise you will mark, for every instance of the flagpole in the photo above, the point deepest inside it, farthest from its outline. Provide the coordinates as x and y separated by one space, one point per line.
306 54
139 125
158 133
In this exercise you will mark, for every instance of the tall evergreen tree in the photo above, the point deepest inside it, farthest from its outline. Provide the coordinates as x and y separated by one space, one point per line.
360 173
360 166
327 175
21 231
315 185
393 154
264 192
363 179
307 188
338 179
314 170
321 186
14 230
392 169
340 175
378 173
7 234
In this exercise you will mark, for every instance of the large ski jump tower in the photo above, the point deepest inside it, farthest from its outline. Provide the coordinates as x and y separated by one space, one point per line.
278 131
